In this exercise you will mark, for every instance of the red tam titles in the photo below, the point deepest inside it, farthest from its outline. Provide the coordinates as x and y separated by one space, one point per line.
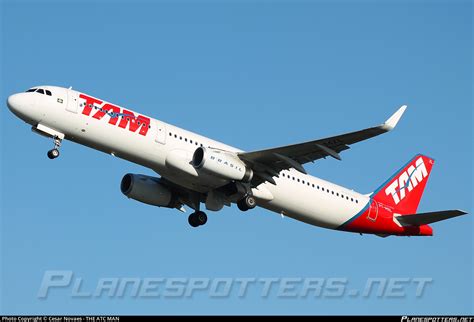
127 117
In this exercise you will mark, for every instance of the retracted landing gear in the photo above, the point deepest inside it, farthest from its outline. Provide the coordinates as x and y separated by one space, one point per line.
54 153
247 202
197 218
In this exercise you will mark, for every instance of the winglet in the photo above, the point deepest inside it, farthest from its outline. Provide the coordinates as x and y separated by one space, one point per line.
393 120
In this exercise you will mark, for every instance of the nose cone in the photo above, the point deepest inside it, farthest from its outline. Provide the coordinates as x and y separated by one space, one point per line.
21 105
14 102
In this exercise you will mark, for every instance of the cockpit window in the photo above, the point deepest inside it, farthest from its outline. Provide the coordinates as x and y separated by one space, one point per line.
39 90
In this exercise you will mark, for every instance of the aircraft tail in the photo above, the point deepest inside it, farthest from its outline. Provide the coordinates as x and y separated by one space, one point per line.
404 189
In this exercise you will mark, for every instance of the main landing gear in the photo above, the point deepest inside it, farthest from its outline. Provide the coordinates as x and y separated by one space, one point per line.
54 153
197 218
247 202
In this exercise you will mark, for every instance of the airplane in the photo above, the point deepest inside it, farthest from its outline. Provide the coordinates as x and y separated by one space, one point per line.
196 170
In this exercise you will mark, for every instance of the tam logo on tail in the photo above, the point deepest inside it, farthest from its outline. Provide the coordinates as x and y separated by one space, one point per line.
408 180
404 190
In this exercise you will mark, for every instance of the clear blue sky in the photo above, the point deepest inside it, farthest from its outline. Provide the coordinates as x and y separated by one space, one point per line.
253 74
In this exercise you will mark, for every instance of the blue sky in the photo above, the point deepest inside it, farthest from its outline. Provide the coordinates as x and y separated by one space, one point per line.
253 74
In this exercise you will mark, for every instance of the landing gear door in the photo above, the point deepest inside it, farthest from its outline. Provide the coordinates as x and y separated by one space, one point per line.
72 101
160 135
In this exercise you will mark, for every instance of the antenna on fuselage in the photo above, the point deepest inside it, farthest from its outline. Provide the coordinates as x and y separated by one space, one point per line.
70 87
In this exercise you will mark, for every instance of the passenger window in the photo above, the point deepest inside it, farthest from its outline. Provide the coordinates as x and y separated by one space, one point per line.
48 92
41 91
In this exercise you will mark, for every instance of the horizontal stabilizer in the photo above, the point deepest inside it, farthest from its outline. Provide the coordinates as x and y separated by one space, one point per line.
428 217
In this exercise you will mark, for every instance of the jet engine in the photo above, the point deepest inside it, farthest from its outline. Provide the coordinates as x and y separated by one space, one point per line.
147 189
221 164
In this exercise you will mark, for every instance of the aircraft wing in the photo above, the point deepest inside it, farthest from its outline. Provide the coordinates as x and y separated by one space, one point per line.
268 163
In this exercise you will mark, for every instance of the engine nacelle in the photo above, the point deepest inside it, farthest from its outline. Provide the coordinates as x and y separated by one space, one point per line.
146 189
222 164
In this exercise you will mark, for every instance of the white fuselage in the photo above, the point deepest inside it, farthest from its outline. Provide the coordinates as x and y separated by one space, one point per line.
302 197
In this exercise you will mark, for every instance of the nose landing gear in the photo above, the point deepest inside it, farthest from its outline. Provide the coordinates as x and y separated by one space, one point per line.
54 153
